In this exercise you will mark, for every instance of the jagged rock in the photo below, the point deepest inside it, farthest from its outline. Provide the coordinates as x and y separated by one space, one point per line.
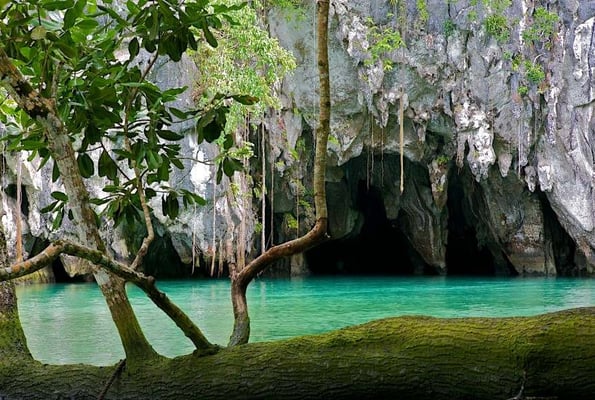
520 155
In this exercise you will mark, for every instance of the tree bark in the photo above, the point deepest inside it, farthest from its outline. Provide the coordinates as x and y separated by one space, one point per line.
12 338
552 355
240 281
147 284
44 112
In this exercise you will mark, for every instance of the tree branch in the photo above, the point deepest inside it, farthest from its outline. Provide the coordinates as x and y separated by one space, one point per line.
145 283
140 255
144 248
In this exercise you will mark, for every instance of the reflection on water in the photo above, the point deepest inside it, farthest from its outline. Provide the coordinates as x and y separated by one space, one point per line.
70 323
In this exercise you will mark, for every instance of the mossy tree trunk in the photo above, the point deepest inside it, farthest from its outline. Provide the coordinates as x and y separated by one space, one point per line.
43 110
552 356
13 344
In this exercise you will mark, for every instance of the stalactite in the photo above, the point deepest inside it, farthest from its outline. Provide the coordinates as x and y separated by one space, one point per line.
272 232
401 139
194 217
214 238
263 245
19 219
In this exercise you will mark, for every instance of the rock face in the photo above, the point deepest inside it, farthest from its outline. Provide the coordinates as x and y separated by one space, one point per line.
497 103
498 125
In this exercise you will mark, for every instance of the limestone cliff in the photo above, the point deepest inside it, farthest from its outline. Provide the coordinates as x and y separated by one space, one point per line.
498 103
499 128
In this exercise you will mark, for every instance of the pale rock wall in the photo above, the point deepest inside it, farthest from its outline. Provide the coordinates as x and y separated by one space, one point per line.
461 102
516 157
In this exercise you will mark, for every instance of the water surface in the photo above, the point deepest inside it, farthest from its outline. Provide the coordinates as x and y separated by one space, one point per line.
70 323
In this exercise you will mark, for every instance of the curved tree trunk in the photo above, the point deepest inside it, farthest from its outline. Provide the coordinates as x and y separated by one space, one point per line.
240 281
43 111
551 356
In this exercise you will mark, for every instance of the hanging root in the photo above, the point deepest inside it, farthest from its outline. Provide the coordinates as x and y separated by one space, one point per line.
521 396
117 371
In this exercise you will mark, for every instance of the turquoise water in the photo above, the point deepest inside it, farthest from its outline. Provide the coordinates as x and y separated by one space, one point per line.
70 323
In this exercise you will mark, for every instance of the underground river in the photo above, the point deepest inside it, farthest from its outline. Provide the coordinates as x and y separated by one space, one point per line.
70 323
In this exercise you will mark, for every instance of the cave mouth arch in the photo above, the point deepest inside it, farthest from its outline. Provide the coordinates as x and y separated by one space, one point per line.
466 253
379 245
377 248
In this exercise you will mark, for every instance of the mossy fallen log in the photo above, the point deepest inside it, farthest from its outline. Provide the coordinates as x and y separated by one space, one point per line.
551 355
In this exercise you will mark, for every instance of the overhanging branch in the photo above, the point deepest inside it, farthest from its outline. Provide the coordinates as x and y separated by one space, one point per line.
145 283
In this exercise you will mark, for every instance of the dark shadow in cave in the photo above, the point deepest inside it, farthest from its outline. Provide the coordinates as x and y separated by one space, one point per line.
464 254
378 249
563 246
11 191
60 274
163 262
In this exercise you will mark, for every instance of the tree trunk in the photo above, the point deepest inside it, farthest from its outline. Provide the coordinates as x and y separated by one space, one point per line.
43 111
13 344
552 356
239 285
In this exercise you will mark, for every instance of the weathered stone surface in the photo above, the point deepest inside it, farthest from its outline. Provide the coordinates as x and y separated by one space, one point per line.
464 99
469 108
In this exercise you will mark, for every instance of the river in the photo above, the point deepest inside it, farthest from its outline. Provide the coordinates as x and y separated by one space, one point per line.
70 323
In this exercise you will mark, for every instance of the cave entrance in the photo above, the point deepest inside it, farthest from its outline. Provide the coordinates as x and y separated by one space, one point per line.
379 247
58 270
465 253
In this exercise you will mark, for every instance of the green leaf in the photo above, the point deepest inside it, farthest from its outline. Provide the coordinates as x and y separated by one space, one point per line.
133 48
38 33
150 193
70 17
113 14
87 24
57 5
112 189
231 165
170 206
176 112
86 166
55 172
209 36
219 174
163 172
228 142
107 167
59 196
169 135
245 99
174 46
58 219
49 207
153 159
177 162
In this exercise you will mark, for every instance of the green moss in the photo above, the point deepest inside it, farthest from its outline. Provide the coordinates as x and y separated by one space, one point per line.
523 90
534 72
406 358
422 11
496 25
543 27
449 27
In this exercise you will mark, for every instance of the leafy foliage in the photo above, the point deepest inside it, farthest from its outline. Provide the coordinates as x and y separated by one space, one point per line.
496 25
247 60
422 9
542 28
93 59
383 41
534 72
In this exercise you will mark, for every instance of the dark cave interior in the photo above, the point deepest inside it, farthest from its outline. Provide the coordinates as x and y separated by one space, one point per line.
381 246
